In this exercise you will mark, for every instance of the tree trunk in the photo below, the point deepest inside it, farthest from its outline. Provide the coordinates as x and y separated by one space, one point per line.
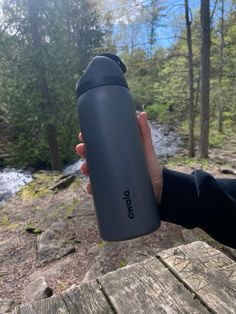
153 21
205 78
197 92
190 74
221 65
43 85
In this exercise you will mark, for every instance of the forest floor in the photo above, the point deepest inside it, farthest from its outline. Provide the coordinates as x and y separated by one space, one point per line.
53 232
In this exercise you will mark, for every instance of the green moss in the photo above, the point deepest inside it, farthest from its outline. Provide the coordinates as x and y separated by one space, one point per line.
62 286
30 192
101 244
122 264
13 226
40 186
71 207
76 183
5 221
32 229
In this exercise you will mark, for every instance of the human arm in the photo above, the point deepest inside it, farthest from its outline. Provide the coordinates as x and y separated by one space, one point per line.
191 200
200 200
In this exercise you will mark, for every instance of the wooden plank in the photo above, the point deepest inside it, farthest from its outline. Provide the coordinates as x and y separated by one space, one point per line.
87 298
207 272
53 305
148 287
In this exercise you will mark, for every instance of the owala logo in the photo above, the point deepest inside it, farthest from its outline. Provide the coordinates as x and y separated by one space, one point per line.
128 203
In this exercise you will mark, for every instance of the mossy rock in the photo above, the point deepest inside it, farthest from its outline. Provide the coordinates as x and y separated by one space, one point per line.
40 186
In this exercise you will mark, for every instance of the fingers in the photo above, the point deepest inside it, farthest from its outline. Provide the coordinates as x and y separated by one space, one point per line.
80 136
84 169
89 188
80 150
145 131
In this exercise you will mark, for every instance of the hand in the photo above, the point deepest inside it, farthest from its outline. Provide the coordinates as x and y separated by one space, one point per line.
153 164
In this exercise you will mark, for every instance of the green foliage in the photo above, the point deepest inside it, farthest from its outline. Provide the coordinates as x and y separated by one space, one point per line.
71 35
216 139
5 221
122 264
101 244
30 228
71 207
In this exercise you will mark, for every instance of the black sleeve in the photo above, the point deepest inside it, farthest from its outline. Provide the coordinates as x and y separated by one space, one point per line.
200 200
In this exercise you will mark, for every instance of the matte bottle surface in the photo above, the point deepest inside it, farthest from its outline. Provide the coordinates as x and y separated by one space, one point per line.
122 191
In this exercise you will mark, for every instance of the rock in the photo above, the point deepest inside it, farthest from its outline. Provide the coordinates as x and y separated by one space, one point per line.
188 236
59 226
5 246
63 183
94 249
50 247
227 171
113 255
5 196
54 272
230 252
95 271
6 306
37 290
138 256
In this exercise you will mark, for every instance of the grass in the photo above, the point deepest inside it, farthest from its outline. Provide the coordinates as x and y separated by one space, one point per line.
189 162
5 221
122 264
32 229
216 139
71 207
101 244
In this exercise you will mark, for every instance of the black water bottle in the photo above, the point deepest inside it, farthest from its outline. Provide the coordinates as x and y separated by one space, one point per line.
123 196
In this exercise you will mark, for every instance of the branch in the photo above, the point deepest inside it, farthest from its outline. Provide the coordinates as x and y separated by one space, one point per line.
213 11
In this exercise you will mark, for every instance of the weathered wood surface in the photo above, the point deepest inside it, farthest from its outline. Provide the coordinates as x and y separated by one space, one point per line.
192 278
207 272
149 287
85 299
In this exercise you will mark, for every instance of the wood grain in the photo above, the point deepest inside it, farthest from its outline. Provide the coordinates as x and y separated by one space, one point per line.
148 287
87 299
207 272
84 299
194 278
53 305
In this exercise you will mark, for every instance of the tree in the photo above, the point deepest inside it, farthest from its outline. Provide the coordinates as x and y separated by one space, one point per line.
191 83
40 64
221 68
46 105
205 78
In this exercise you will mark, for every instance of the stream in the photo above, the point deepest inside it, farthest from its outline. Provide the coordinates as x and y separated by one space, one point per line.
166 143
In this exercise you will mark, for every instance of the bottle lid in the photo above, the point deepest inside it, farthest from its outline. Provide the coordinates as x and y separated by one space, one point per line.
104 69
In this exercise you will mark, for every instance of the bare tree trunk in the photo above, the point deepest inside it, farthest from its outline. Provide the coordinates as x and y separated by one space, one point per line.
190 74
197 92
153 21
221 66
43 85
205 78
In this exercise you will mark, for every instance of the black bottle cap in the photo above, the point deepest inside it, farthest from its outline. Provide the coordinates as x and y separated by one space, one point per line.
104 69
116 59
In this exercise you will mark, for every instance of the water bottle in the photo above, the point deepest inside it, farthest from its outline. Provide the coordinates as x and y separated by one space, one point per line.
122 191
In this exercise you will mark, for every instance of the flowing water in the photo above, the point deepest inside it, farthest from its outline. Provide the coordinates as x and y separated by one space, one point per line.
166 143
